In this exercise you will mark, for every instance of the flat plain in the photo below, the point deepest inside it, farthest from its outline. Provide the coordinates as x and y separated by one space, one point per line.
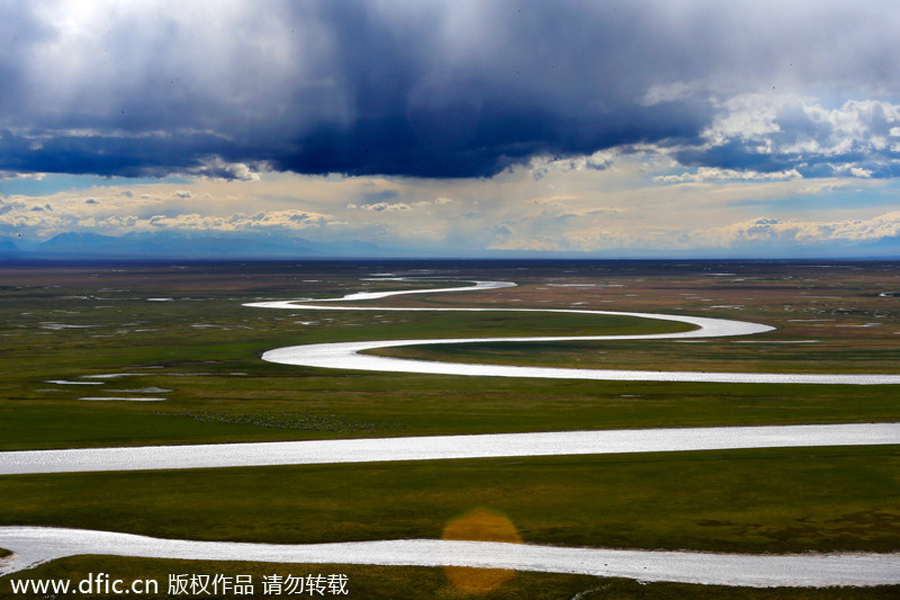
128 354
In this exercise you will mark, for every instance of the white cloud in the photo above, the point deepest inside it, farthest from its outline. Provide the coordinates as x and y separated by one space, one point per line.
789 124
747 116
380 207
761 234
540 166
397 207
620 209
673 91
718 174
788 232
15 205
111 212
216 168
271 220
607 211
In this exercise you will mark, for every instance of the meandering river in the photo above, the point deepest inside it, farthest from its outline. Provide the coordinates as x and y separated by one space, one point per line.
32 546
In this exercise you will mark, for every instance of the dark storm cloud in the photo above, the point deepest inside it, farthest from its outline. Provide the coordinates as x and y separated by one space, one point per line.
858 138
453 89
107 155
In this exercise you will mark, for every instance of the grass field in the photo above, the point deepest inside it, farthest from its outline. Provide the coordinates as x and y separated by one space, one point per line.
179 332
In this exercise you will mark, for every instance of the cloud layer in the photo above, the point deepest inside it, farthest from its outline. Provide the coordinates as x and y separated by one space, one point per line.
448 88
751 126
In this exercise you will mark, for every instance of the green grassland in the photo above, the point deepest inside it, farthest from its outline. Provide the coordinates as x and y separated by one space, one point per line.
840 499
180 332
766 355
287 407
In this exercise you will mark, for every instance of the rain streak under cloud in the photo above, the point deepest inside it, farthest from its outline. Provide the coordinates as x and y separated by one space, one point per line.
575 126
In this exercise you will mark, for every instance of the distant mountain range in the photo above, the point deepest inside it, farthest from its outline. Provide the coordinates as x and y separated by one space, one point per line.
205 245
182 246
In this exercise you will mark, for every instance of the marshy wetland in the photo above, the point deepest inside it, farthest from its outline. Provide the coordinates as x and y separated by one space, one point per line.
176 356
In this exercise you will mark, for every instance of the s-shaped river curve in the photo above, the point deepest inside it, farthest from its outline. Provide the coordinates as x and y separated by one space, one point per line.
347 355
35 545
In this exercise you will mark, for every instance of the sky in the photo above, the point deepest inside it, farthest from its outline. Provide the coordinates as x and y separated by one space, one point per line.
615 129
